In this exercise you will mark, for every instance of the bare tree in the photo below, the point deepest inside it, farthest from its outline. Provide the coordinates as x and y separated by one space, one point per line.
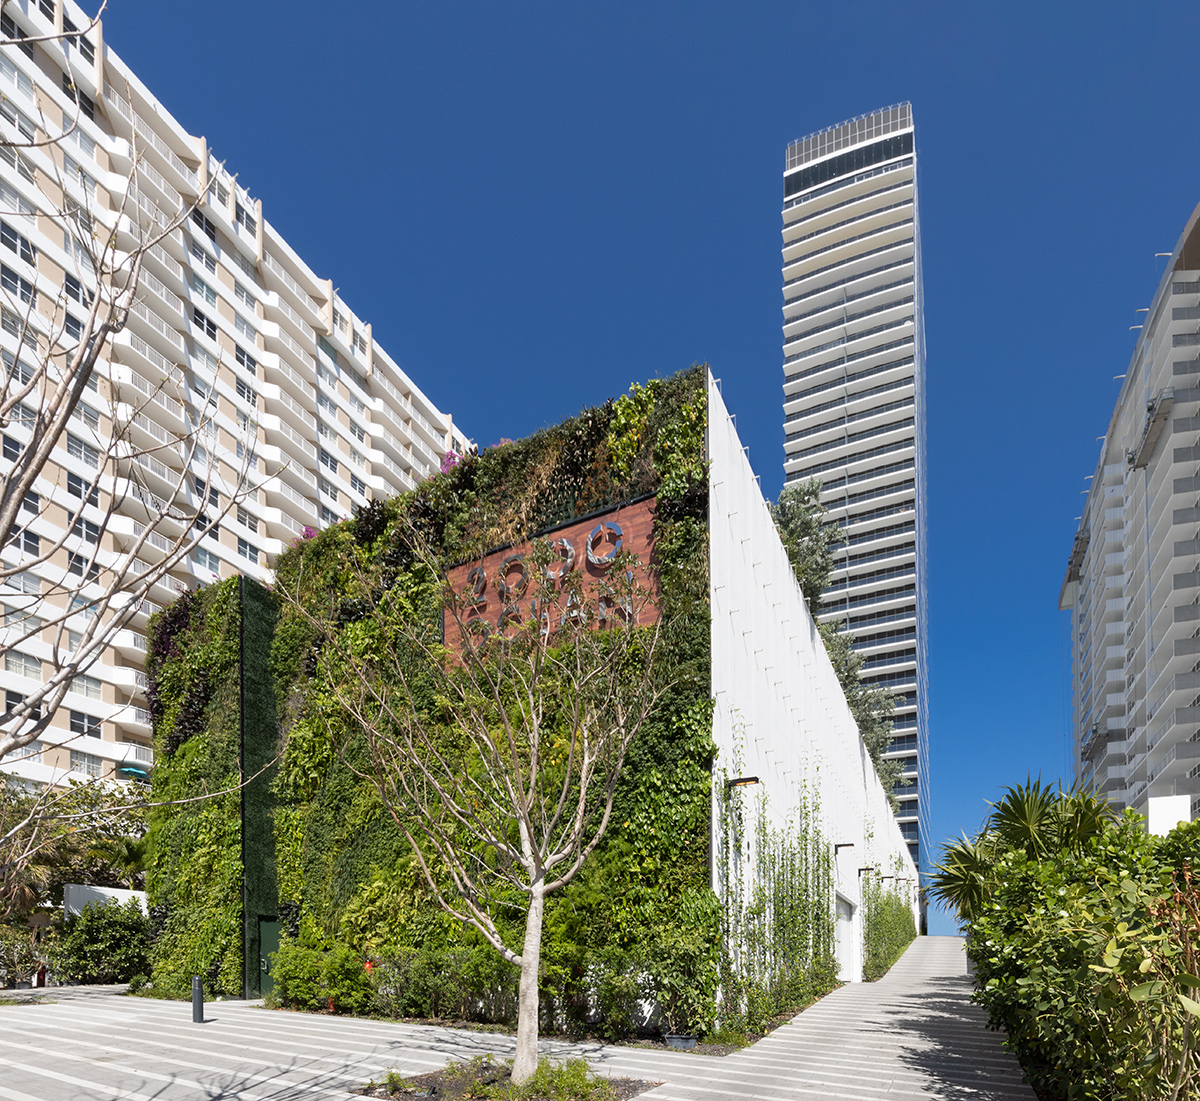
81 555
497 752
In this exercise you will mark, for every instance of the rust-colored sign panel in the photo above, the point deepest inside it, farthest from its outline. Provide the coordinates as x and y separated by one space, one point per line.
495 587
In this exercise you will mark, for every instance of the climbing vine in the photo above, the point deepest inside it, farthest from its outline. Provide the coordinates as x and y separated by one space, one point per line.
888 925
778 919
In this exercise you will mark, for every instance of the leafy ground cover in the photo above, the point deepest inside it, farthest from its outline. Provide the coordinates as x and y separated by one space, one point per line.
485 1077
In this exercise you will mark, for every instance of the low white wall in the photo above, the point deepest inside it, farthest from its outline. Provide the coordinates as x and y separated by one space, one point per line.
76 896
779 712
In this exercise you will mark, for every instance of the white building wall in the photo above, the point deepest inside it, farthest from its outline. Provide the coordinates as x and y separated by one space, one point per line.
231 332
1133 576
779 711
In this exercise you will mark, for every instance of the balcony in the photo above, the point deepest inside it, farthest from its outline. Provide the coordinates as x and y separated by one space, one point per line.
137 761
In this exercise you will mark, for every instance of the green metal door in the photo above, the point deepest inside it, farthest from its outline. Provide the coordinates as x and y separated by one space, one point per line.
268 942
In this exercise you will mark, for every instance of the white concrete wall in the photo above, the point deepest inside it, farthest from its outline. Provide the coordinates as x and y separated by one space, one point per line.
779 712
76 896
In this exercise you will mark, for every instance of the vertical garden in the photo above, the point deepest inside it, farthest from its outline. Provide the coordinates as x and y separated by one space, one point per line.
640 923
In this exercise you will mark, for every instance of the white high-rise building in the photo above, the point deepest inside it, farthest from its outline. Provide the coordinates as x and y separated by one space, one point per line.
853 403
1133 577
231 332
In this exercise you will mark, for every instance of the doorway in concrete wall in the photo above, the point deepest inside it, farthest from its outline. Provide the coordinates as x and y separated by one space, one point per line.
843 942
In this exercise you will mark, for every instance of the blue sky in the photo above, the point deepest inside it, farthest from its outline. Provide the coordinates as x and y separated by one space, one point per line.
536 204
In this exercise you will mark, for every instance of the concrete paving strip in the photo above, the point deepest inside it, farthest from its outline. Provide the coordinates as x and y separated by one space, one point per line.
175 1061
914 1036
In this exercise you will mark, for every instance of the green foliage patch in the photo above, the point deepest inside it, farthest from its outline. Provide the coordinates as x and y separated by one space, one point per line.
1085 935
888 928
194 877
104 943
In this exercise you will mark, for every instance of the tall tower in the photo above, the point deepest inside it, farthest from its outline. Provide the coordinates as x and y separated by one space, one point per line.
854 404
1133 576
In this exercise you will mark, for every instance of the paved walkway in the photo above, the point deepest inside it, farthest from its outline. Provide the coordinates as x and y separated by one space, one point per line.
911 1035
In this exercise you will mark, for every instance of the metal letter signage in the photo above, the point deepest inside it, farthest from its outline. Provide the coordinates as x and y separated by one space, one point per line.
598 533
494 588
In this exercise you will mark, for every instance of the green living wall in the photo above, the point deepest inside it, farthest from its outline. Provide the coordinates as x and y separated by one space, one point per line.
345 865
640 923
211 867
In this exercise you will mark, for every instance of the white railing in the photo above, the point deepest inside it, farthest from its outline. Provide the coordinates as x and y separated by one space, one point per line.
388 388
294 497
140 752
151 429
158 324
305 328
168 262
297 408
150 463
298 440
432 429
159 217
294 526
158 542
151 500
291 344
305 387
291 284
406 480
143 128
149 279
304 476
145 168
155 357
141 680
172 405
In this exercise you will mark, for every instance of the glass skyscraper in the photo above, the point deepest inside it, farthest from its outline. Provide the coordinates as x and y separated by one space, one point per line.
854 405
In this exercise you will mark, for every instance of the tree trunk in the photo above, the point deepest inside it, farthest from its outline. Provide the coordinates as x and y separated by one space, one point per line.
527 993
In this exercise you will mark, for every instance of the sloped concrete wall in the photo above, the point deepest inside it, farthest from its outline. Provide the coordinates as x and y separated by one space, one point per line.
779 712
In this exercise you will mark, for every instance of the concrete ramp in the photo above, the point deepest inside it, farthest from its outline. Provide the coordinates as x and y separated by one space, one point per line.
914 1034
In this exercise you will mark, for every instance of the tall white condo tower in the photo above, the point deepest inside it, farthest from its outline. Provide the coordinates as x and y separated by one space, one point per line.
854 404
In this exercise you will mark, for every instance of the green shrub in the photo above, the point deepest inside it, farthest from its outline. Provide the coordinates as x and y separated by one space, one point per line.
1085 935
462 984
683 965
104 943
309 978
348 987
18 954
888 930
298 973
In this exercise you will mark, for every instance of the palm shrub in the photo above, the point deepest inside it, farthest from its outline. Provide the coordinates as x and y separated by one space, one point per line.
1085 936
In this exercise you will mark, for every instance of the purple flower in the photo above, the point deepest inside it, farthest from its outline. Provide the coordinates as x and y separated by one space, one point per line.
450 461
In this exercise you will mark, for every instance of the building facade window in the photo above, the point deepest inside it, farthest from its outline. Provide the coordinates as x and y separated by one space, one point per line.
204 290
82 451
83 723
84 685
23 665
204 323
205 559
88 764
18 243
